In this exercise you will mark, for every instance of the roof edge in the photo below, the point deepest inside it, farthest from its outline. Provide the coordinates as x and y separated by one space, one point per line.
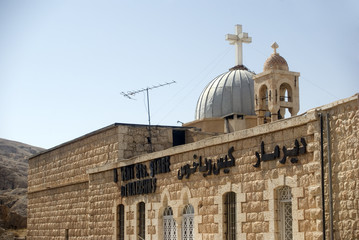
114 125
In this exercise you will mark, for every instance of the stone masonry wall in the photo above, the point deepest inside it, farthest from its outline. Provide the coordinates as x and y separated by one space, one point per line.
255 188
344 138
133 141
72 188
103 193
58 179
68 164
252 186
58 186
53 211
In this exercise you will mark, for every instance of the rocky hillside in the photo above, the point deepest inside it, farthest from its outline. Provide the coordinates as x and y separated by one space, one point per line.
13 182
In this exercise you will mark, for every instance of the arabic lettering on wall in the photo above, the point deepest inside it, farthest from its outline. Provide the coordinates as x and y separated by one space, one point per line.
292 153
207 166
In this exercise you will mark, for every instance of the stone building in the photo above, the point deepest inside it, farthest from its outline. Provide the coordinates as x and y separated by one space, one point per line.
240 170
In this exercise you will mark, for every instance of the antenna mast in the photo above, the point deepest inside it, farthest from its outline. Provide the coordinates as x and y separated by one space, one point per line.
130 95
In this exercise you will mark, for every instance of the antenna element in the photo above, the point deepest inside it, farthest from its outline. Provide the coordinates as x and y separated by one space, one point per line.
130 95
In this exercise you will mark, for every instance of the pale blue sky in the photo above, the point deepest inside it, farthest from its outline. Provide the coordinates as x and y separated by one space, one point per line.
63 64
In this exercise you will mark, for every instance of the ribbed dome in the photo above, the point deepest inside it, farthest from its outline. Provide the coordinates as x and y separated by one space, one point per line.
230 92
277 62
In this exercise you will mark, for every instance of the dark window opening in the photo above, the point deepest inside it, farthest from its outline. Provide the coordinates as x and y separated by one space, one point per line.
121 222
179 137
66 234
141 221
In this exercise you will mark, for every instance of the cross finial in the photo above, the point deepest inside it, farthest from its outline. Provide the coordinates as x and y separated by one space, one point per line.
275 46
237 39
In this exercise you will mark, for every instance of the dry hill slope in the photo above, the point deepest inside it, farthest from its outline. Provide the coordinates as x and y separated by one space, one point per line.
13 182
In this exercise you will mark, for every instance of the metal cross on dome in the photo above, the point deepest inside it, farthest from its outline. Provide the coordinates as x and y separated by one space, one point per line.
237 39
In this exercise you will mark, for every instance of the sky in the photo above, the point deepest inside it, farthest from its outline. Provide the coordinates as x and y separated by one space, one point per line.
64 63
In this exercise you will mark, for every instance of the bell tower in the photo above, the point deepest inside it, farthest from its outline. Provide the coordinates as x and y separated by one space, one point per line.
276 89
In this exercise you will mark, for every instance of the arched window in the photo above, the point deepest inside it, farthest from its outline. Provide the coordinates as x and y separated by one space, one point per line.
188 222
141 220
230 216
285 213
263 97
285 93
121 222
169 225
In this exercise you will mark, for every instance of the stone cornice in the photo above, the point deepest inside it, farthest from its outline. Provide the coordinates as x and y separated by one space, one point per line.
216 140
275 71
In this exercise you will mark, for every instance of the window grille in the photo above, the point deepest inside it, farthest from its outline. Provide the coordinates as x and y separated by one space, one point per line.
230 216
169 225
188 222
121 222
285 213
141 221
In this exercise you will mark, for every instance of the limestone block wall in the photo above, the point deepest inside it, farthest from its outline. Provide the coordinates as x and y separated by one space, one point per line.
212 125
58 185
68 164
133 140
344 146
55 213
58 179
103 192
72 190
197 135
255 188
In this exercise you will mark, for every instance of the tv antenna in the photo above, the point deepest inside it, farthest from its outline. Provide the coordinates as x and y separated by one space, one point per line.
130 94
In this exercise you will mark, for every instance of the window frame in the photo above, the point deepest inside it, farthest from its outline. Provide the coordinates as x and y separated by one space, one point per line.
169 225
188 222
230 218
121 222
141 220
285 213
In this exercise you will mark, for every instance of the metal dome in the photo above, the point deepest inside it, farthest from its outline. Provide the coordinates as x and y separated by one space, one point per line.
229 93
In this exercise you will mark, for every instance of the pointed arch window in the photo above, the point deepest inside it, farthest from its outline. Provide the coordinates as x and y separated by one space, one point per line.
285 213
285 93
188 222
169 225
141 220
263 96
121 222
230 216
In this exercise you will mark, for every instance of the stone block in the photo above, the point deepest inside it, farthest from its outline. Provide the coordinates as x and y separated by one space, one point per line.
247 227
251 236
252 217
317 235
314 191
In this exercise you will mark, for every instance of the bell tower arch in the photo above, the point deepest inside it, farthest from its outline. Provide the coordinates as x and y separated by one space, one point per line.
276 89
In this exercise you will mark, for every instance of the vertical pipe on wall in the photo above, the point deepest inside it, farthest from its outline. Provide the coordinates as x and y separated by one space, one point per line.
322 170
330 180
